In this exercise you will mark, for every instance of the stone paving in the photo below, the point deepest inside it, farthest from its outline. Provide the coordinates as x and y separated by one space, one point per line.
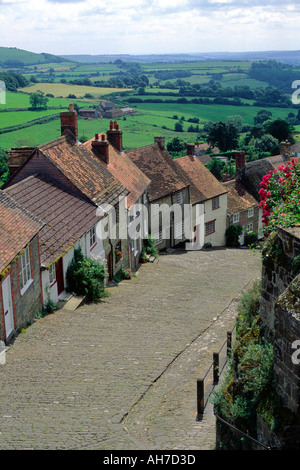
122 374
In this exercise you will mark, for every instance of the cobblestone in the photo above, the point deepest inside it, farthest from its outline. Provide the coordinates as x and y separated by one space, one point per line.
122 374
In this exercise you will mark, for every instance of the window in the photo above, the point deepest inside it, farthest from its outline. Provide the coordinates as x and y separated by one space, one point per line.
250 212
236 218
159 240
92 237
210 227
250 227
52 274
179 229
25 269
215 203
179 198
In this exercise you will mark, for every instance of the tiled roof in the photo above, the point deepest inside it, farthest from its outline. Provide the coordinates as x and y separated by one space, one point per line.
125 171
238 201
66 216
86 172
17 228
204 185
160 168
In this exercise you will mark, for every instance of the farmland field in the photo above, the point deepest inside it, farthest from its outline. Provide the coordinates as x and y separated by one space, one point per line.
21 100
64 90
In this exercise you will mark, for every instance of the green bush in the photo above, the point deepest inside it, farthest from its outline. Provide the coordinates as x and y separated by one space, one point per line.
248 309
232 235
149 249
86 277
250 238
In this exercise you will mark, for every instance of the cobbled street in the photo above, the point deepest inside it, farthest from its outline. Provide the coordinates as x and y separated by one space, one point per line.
122 374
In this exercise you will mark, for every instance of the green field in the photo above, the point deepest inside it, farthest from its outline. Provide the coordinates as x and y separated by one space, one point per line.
21 100
61 89
19 117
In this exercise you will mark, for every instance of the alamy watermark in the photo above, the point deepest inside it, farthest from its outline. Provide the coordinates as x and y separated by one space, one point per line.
2 92
178 222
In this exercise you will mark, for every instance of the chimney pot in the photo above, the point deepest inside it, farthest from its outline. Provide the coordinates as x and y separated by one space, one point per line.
114 136
160 140
68 121
102 137
190 149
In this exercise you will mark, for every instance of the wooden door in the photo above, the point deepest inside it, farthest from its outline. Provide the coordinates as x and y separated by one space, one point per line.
59 276
7 307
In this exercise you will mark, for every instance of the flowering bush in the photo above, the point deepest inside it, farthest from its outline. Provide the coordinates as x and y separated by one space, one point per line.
280 196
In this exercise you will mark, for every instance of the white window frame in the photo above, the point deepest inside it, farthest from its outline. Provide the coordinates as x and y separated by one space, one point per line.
250 212
52 274
236 218
250 227
92 234
25 270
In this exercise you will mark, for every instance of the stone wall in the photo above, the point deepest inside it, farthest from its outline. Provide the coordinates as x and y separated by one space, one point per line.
277 271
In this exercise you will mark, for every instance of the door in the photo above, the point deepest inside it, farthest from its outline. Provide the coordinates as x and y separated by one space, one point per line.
7 307
59 276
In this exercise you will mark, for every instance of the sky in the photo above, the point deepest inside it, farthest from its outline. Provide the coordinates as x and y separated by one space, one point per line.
65 27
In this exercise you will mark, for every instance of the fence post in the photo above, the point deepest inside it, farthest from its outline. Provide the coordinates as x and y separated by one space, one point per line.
200 399
229 343
216 368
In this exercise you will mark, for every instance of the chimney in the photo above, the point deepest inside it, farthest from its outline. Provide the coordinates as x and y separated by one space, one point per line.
101 147
17 156
285 149
240 163
190 149
160 140
68 121
114 135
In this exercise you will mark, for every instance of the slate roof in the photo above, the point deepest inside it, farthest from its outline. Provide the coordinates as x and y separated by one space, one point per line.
159 167
66 216
237 202
125 171
203 184
86 172
17 228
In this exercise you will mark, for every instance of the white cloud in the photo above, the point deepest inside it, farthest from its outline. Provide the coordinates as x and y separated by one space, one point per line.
140 26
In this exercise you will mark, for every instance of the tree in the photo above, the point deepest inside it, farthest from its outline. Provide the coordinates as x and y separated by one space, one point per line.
224 135
38 99
178 127
176 145
280 129
267 143
262 116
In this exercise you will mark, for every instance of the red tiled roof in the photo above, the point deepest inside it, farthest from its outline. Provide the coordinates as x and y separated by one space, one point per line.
125 171
67 217
238 201
17 228
160 168
86 172
204 185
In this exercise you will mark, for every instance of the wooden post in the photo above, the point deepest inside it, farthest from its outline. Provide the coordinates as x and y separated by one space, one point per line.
229 343
200 399
216 367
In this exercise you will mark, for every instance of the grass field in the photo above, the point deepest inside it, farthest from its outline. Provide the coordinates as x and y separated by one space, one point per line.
64 90
20 117
21 100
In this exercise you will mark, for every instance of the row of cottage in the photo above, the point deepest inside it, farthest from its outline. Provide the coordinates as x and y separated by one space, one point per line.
58 193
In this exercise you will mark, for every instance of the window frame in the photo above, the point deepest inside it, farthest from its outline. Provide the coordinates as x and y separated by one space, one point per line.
250 212
25 274
237 215
207 224
52 274
92 236
215 203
